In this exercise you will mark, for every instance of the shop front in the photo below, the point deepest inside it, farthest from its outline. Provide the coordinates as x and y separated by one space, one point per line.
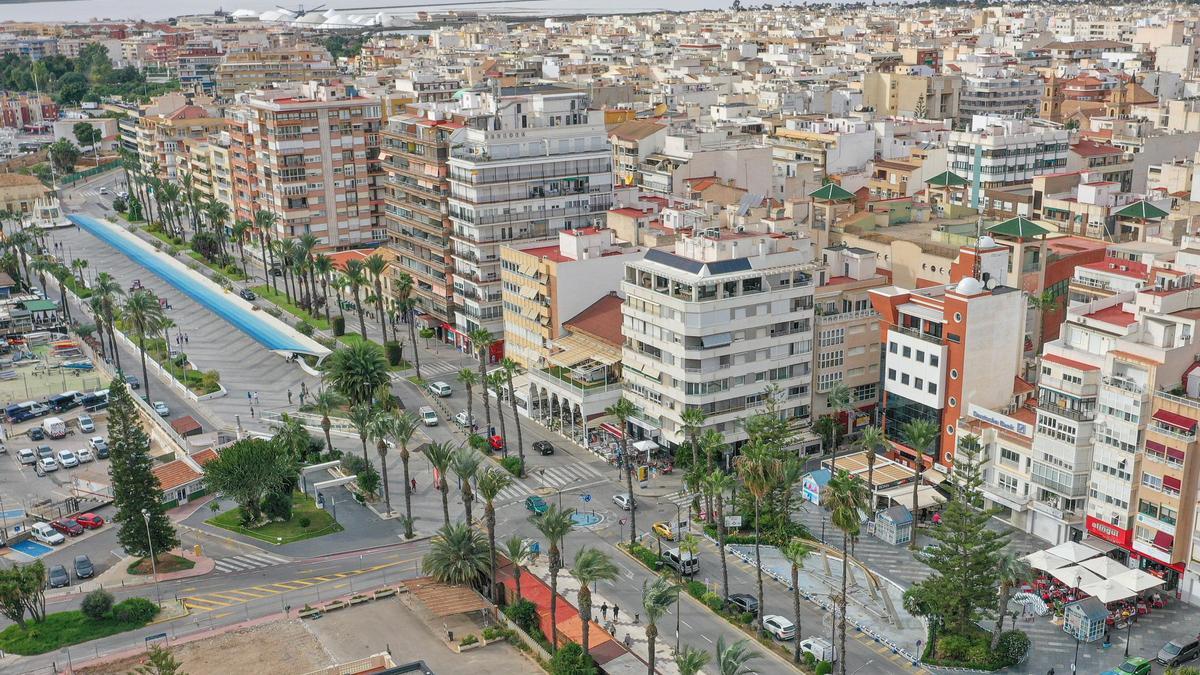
1169 573
1117 541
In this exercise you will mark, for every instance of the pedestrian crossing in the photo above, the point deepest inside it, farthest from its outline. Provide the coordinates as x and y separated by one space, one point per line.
94 192
431 370
245 563
683 498
553 477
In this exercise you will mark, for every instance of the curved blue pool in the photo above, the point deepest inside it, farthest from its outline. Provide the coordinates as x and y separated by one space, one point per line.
265 329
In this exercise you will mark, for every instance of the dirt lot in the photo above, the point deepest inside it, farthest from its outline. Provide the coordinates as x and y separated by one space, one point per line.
211 656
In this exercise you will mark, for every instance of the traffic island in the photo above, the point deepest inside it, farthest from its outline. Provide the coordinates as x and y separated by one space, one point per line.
307 521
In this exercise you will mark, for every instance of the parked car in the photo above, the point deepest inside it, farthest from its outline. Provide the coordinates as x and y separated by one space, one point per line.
684 563
57 577
779 626
84 455
543 447
90 521
664 531
247 294
1179 651
47 464
536 505
820 648
86 424
44 451
46 534
36 434
67 459
103 190
27 456
133 382
622 500
439 389
428 416
742 603
496 442
84 569
67 526
463 419
54 427
1135 665
100 446
161 408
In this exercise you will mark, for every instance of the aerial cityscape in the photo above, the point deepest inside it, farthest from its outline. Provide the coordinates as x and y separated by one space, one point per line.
518 337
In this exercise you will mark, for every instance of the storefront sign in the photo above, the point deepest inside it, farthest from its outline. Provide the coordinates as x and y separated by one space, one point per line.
1109 532
1003 421
811 490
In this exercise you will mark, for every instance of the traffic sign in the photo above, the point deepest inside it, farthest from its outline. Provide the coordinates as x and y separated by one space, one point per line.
586 498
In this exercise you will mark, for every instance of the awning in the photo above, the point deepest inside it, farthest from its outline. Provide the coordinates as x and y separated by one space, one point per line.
1073 551
1104 566
1176 455
1107 590
718 340
577 349
1172 483
1176 420
1137 580
1156 446
1040 560
1074 576
926 496
611 429
1163 540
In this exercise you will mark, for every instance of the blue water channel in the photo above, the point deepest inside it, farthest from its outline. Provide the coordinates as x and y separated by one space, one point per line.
216 301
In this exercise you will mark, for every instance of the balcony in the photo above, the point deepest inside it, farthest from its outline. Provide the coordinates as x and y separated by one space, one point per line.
912 332
1125 384
1070 413
841 317
1170 432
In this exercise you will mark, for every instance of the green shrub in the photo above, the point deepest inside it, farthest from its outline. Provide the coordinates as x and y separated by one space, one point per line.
368 480
824 668
305 328
339 325
646 556
491 633
97 604
304 521
277 506
810 660
353 464
470 639
713 601
1012 647
696 589
953 647
523 613
745 618
512 464
132 610
479 443
570 660
394 352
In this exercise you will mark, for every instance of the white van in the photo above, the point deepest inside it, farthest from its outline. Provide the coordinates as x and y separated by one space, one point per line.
684 563
820 648
46 534
428 416
440 389
54 427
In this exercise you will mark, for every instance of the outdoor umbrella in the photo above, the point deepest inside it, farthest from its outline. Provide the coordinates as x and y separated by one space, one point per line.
1074 576
1107 590
1073 551
1104 566
1137 580
1041 560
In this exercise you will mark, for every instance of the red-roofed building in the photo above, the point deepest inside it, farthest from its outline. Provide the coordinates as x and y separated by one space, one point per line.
181 480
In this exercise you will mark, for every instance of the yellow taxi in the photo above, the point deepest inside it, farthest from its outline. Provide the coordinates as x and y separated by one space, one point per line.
663 530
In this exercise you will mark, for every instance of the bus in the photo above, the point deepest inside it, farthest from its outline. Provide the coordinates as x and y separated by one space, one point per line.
20 412
64 401
96 400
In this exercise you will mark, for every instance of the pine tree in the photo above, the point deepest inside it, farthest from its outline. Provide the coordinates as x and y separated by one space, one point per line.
962 588
135 489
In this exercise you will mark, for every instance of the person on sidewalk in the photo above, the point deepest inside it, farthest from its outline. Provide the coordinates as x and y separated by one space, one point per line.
604 610
616 613
414 485
289 396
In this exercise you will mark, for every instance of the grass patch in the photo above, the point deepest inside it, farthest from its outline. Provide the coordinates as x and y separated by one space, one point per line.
167 562
280 300
231 272
320 523
61 629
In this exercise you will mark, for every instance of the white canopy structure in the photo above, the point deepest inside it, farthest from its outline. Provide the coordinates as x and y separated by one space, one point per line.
1104 566
1107 590
1041 560
1073 551
1137 580
1075 576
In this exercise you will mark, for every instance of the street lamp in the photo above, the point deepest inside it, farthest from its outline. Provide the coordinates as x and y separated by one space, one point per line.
153 563
1075 663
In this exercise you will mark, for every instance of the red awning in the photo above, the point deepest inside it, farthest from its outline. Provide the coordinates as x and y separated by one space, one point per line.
1163 540
1176 455
1176 420
1172 483
611 429
1155 446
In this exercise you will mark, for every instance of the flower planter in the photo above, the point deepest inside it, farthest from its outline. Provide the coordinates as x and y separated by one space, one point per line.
312 613
384 592
336 605
460 648
359 599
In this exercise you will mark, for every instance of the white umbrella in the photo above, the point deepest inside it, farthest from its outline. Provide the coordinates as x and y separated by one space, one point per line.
1074 576
1104 566
1137 580
1073 551
1107 590
1041 560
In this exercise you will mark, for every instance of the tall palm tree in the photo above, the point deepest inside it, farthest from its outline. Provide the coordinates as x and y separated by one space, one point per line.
732 659
79 265
457 555
356 277
693 422
495 382
554 524
108 292
322 267
40 266
591 565
306 246
846 498
357 371
406 306
97 308
690 660
143 315
465 464
717 483
440 455
795 552
469 378
482 340
281 249
1011 572
382 427
325 402
491 482
838 399
61 274
759 471
264 223
239 233
360 416
406 426
217 214
657 598
870 441
622 410
510 368
375 265
340 284
517 550
920 436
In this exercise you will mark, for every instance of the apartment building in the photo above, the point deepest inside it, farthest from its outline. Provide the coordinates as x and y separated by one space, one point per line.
632 142
549 281
27 112
711 324
316 162
847 335
196 66
913 91
999 91
532 161
207 162
830 146
161 137
1103 162
999 151
257 67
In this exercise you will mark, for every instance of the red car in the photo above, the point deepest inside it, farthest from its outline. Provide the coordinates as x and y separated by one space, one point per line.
496 442
89 521
67 526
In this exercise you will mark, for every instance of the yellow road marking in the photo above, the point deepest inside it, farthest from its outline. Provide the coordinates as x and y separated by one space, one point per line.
207 602
203 605
226 595
289 585
221 615
255 596
340 585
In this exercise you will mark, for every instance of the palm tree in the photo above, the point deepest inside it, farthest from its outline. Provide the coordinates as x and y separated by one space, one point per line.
143 315
657 598
838 399
356 277
41 265
97 308
360 416
690 660
457 555
469 378
358 370
61 274
382 427
1011 572
1044 303
693 421
108 292
340 284
406 306
591 565
440 455
717 483
846 498
306 245
491 482
322 267
465 464
406 426
622 410
517 550
870 441
795 552
375 265
918 435
554 524
510 368
264 223
79 265
495 381
238 233
759 471
481 338
325 402
732 659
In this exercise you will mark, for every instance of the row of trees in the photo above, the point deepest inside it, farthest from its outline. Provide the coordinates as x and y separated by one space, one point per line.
88 77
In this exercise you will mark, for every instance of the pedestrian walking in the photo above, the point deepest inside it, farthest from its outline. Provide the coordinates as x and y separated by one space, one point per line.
289 396
627 641
604 610
186 338
250 397
616 613
251 412
414 485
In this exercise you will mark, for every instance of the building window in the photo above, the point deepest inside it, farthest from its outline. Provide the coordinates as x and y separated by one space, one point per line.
958 317
892 347
932 388
953 402
918 382
904 378
833 336
933 360
906 352
920 356
830 359
892 374
953 374
827 380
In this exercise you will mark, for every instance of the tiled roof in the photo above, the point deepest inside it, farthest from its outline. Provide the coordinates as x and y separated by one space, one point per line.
175 474
601 319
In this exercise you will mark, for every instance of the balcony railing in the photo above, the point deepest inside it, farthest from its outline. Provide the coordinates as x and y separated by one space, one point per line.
846 316
934 339
1071 413
1125 385
1167 431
